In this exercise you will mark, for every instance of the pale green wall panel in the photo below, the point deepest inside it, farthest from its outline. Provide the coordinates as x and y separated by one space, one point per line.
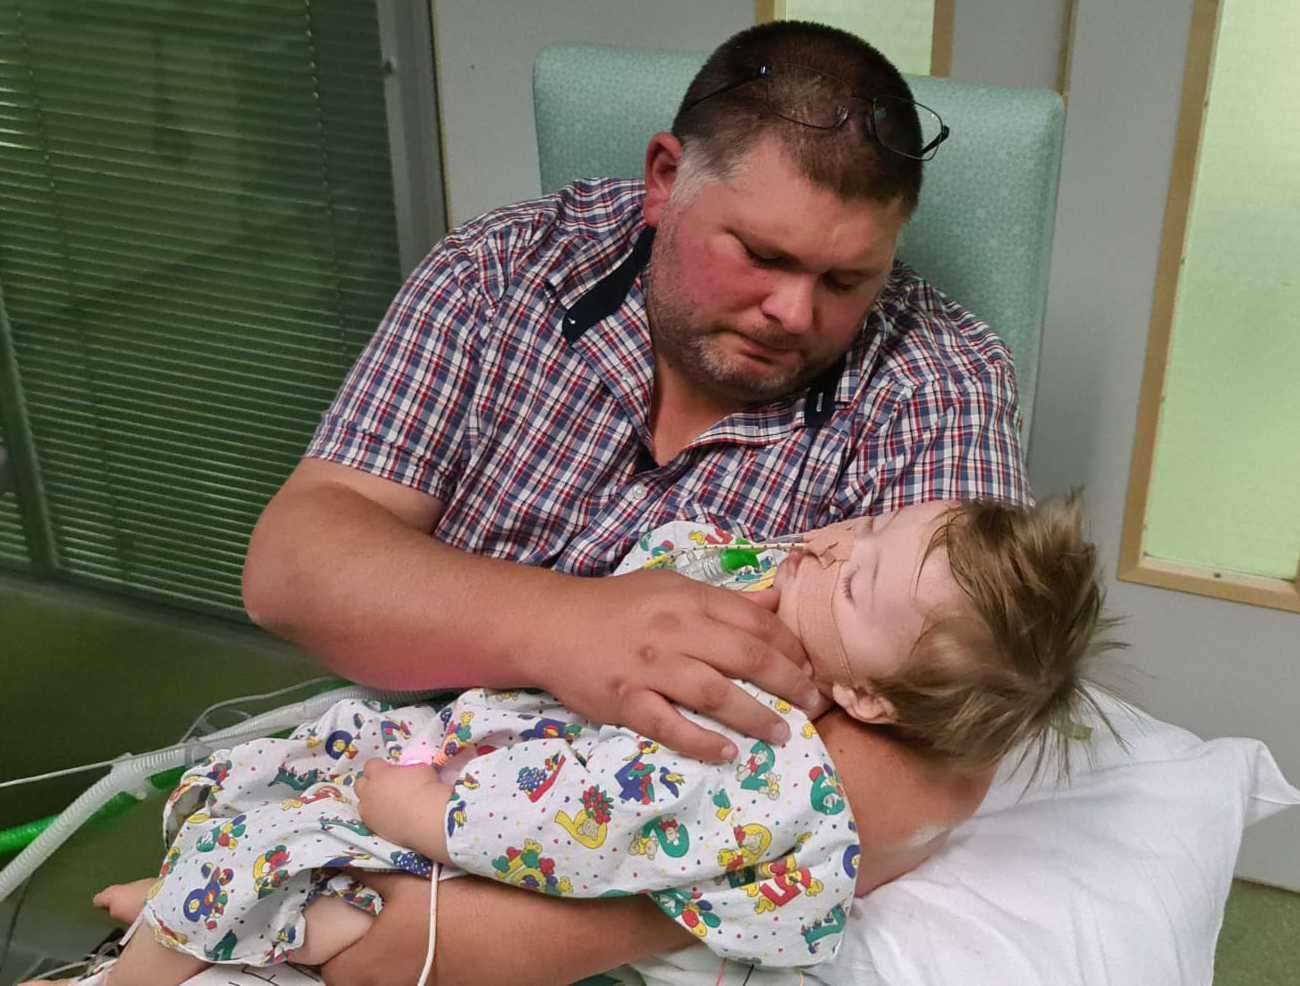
1227 465
902 29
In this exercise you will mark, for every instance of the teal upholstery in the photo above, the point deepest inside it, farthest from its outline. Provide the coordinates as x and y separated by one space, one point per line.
982 234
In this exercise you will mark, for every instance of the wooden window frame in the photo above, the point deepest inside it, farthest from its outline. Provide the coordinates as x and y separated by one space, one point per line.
1135 565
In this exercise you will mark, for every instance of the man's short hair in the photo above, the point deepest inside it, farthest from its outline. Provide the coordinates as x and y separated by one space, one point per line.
810 67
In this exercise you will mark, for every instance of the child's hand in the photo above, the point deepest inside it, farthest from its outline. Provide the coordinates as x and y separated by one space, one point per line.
405 805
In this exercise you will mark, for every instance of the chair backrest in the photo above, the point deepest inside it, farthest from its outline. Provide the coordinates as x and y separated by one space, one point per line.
983 231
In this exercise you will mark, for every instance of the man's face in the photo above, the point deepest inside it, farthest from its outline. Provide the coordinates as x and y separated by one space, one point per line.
760 281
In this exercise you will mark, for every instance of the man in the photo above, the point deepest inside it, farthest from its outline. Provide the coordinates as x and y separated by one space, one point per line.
730 340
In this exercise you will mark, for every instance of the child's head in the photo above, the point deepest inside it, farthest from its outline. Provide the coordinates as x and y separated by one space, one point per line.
961 628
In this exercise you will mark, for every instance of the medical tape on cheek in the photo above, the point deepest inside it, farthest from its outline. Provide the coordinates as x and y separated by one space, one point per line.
828 550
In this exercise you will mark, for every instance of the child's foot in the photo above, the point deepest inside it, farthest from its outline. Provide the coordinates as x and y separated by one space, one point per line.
124 901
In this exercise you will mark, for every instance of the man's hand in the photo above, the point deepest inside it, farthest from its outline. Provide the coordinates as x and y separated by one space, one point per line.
639 642
405 805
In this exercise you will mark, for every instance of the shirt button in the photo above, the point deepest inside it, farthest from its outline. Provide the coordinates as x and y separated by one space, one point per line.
638 492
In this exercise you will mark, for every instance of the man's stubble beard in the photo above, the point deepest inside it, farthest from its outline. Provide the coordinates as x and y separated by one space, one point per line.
696 353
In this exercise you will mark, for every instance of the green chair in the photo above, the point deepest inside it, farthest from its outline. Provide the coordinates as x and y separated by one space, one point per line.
982 234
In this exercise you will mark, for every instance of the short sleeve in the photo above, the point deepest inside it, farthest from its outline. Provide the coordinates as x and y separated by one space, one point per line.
402 411
956 438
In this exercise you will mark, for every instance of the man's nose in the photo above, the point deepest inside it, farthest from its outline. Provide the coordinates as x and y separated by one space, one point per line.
791 302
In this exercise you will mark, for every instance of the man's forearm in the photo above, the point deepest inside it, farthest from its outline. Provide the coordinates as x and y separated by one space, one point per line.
490 933
385 604
566 940
343 564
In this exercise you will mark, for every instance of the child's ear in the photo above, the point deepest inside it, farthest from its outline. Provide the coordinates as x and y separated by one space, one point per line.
863 704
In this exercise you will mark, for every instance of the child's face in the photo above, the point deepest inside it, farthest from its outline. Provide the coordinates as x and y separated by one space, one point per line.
879 598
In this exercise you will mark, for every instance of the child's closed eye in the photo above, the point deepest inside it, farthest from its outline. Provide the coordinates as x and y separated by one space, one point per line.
846 583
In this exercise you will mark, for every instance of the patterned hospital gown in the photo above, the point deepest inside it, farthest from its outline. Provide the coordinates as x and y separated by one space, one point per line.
756 858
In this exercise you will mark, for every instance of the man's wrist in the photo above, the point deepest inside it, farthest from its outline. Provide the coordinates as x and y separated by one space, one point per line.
531 642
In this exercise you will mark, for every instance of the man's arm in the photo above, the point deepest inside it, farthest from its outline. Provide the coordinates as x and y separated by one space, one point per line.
343 563
904 805
895 795
550 940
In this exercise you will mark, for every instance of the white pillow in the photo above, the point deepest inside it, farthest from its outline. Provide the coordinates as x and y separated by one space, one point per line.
1118 878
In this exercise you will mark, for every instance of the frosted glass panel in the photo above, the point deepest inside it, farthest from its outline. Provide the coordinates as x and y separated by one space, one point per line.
902 29
1227 462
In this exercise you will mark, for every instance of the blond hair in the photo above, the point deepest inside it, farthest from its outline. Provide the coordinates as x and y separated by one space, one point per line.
1007 668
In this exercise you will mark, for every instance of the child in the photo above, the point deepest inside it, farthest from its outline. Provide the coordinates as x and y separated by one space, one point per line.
957 629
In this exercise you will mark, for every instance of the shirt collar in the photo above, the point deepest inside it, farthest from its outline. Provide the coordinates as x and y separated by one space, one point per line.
592 258
608 294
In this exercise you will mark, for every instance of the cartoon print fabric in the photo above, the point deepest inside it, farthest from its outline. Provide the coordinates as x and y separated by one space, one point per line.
259 831
757 858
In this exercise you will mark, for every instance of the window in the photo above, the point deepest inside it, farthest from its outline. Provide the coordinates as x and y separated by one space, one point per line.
916 35
198 236
1212 500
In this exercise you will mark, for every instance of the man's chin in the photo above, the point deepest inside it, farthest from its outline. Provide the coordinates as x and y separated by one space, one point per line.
737 378
753 381
755 391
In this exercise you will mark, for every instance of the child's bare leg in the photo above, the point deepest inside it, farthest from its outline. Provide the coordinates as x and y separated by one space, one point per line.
124 901
332 925
146 962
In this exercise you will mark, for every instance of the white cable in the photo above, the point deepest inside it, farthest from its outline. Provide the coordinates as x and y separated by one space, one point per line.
211 708
433 926
79 964
192 751
57 773
249 698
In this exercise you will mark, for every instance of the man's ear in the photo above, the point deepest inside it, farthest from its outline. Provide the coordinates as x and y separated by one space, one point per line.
863 704
663 157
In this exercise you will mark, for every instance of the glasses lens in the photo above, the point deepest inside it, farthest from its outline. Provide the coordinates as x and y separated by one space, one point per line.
906 127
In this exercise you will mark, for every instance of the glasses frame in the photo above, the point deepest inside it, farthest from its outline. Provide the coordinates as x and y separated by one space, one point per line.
842 114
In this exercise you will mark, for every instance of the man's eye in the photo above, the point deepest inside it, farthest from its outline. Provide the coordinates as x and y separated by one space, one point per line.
759 260
842 287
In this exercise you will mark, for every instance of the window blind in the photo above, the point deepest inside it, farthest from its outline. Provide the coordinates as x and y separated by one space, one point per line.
196 238
13 543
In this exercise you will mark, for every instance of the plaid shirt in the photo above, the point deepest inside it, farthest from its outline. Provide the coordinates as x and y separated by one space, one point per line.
535 442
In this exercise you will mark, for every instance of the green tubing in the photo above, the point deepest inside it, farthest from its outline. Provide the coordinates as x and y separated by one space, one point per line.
17 838
14 840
